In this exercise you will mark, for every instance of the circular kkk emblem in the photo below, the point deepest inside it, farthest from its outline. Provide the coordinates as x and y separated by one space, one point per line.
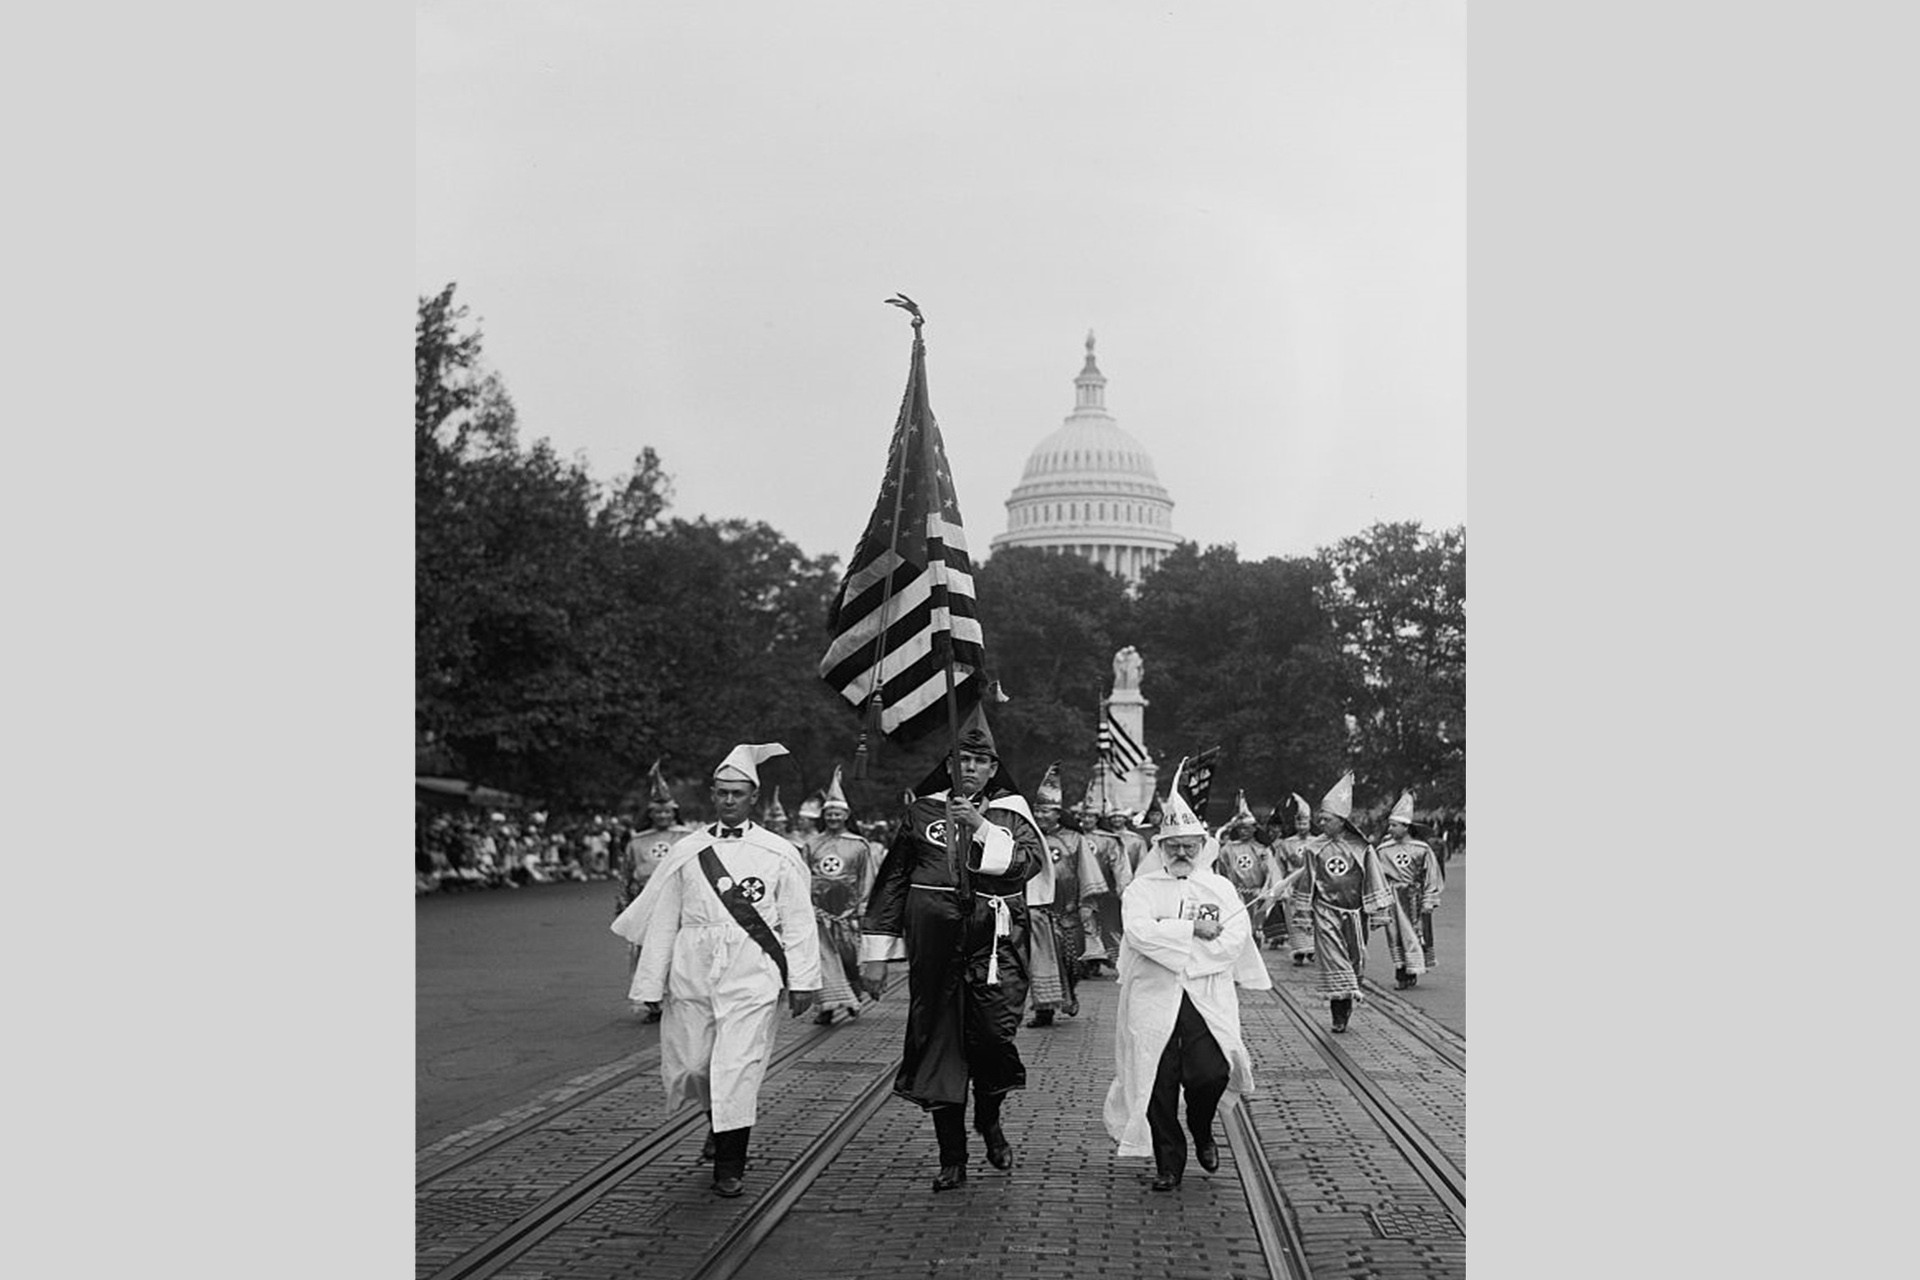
753 888
657 850
1056 851
1337 864
1243 860
830 864
1400 858
937 831
1209 911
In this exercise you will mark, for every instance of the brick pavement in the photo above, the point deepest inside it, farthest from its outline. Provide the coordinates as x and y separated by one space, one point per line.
1069 1206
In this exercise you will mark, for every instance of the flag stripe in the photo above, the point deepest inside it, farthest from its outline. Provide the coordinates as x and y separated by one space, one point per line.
905 613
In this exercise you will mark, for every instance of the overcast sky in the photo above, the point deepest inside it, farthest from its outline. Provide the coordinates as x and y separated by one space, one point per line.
675 225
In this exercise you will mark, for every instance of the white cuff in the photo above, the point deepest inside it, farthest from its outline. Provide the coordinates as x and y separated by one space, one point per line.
882 946
996 849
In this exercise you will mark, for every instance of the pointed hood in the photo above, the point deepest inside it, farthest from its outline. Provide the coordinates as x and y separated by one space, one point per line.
1090 802
1403 811
1048 792
975 735
1241 813
1177 817
658 792
743 762
834 799
1339 801
773 812
1301 809
810 807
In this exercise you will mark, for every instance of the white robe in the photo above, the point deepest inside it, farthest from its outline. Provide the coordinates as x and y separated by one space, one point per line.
1160 959
720 989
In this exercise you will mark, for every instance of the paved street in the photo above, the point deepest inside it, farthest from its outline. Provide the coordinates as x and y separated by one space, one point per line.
521 1010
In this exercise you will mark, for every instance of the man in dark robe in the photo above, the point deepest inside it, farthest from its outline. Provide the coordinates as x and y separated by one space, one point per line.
959 919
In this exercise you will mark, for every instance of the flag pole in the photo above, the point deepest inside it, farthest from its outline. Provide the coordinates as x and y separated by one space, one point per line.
872 718
943 637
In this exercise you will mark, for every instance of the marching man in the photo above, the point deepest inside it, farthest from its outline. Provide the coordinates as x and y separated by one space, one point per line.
1187 941
723 924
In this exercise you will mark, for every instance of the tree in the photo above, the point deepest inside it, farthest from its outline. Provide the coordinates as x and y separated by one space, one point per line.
1397 595
1241 656
1052 624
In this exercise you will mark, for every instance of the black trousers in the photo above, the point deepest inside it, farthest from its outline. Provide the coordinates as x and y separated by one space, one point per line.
730 1152
950 1124
1192 1060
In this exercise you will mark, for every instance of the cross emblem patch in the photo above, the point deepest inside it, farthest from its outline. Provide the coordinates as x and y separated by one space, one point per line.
753 888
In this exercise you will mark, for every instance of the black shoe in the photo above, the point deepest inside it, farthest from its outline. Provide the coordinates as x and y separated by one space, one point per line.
824 1017
1207 1153
999 1150
1165 1181
949 1177
706 1148
1072 1007
1413 979
1041 1018
728 1187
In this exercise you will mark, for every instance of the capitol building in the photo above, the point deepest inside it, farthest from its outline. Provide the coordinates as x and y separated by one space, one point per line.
1090 490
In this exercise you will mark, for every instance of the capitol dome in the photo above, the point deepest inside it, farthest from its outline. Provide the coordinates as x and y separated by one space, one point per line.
1090 490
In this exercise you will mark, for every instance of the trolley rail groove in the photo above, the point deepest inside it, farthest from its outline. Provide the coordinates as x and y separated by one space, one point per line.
1273 1219
648 1065
1391 1005
1445 1179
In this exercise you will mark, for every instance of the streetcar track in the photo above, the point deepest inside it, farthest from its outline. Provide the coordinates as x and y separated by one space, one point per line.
1445 1179
1395 1009
1273 1218
736 1246
649 1065
511 1242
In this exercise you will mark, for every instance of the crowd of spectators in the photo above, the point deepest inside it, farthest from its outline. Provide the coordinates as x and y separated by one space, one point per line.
476 849
462 849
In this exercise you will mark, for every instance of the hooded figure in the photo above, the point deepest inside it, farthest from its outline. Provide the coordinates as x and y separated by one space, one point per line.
724 923
843 863
1413 875
1290 923
1053 909
1187 942
1341 881
950 898
643 853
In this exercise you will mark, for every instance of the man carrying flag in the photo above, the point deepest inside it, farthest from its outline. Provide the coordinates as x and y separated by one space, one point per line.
906 651
956 911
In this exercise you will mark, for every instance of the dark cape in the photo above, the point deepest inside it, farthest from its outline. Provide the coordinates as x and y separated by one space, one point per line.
960 1027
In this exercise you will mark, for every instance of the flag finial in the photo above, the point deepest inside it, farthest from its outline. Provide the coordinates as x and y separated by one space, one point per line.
908 305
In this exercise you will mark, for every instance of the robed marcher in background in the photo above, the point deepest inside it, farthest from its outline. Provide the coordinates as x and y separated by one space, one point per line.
960 921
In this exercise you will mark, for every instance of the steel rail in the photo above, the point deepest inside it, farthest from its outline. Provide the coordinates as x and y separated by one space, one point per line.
1273 1218
1435 1168
1397 1010
513 1240
736 1246
649 1065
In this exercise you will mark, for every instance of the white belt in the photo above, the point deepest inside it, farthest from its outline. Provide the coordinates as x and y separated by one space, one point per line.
1002 923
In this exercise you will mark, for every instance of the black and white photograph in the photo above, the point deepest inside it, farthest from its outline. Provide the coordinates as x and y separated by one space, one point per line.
940 640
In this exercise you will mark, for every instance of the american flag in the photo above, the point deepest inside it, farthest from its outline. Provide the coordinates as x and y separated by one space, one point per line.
907 600
1118 748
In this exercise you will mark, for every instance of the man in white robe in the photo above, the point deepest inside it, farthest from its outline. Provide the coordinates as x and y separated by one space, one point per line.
1186 941
723 924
